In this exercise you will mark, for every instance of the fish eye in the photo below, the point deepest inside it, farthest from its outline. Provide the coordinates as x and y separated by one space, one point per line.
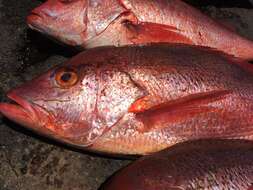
66 77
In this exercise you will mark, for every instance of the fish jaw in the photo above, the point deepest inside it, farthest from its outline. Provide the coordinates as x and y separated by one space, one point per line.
54 20
25 113
38 119
37 22
34 21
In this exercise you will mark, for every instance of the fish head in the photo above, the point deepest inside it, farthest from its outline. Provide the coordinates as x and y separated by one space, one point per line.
74 22
73 103
64 20
59 104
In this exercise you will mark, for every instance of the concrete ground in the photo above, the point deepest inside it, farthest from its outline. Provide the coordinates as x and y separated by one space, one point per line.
28 161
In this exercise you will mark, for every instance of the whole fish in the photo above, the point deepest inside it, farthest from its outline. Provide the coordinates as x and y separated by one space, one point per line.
138 99
92 23
209 165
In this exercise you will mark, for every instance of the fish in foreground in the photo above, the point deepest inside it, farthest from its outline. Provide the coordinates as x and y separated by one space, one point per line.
92 23
209 165
138 99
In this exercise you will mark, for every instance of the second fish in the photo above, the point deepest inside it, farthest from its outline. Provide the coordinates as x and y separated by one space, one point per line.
92 23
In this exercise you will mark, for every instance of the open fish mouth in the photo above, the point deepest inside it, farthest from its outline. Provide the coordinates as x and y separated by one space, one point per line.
23 112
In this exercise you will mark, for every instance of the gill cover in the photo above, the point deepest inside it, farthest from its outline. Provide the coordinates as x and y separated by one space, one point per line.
117 92
100 14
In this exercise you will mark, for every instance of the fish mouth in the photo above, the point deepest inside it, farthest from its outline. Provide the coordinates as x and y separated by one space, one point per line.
29 115
36 22
21 111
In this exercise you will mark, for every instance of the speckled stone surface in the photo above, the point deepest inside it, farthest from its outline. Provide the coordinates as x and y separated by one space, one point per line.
28 161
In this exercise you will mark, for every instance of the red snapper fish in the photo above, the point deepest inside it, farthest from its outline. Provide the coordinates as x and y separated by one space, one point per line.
209 165
138 99
92 23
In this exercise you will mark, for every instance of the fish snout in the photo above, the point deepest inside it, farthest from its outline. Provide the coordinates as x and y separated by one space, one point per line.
41 17
36 20
24 112
50 9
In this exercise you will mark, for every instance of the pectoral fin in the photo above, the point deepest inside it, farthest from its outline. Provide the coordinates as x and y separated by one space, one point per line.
176 110
151 32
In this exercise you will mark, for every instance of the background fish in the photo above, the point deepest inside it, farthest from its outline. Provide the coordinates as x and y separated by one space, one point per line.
205 165
91 23
138 100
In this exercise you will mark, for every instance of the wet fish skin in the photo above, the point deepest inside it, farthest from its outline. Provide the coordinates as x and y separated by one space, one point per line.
123 22
138 99
221 165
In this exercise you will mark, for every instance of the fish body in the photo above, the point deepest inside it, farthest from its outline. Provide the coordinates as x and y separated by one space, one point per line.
220 165
92 23
138 99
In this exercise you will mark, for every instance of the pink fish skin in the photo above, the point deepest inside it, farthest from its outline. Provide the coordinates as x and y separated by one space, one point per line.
92 23
205 165
138 99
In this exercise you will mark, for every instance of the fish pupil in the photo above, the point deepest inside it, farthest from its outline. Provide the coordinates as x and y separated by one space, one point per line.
66 77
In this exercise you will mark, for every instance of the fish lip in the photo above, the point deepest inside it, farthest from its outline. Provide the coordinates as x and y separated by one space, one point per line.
35 13
24 104
35 21
21 111
29 115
